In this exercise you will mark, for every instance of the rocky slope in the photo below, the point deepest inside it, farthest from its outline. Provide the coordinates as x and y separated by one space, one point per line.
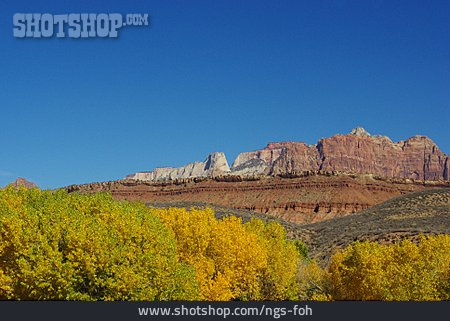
359 152
409 216
312 198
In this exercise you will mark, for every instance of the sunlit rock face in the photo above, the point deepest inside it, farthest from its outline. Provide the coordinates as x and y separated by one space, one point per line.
358 152
215 164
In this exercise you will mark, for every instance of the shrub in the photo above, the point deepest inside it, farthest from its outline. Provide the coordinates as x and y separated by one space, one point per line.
302 250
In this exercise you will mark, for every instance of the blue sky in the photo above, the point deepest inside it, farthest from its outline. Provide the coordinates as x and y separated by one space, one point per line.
216 76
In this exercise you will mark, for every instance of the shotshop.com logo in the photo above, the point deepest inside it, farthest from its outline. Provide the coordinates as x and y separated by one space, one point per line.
74 25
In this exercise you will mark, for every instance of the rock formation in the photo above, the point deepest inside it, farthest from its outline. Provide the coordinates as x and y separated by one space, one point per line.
296 182
214 165
359 131
312 198
22 182
358 152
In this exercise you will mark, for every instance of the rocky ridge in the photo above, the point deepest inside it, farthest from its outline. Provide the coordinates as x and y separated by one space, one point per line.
214 165
358 152
293 181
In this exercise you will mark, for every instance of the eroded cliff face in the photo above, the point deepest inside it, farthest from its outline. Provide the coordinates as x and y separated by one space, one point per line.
417 158
301 183
308 199
358 152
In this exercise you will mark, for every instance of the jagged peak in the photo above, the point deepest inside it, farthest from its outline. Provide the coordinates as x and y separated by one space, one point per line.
216 161
359 131
20 181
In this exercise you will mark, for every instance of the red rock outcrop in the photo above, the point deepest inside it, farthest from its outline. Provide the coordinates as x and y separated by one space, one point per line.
416 158
338 176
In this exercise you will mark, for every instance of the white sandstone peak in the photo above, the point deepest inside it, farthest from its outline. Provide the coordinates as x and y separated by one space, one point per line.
359 131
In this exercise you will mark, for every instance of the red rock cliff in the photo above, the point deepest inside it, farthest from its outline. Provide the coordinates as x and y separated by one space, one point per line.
416 158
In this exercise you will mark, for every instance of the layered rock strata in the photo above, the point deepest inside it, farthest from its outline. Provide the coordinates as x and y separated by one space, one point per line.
312 198
359 152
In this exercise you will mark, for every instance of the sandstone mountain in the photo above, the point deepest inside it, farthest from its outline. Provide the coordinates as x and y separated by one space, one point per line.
416 158
293 181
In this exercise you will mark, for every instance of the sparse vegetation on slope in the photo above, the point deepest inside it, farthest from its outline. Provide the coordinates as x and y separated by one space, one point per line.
409 216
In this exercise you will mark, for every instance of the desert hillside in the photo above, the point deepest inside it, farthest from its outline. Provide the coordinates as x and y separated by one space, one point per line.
302 200
408 216
424 212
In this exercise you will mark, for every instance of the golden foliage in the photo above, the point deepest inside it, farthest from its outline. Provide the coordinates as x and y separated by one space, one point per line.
312 282
59 246
403 271
71 247
234 261
279 280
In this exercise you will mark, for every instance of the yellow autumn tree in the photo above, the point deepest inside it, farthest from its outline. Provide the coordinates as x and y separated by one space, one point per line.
403 271
59 246
228 259
239 257
279 280
312 282
234 261
193 233
56 246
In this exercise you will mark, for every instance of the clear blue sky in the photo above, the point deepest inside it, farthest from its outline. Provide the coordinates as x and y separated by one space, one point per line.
216 76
